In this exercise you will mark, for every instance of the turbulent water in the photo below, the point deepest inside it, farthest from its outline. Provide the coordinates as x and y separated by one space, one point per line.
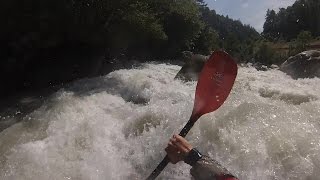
117 126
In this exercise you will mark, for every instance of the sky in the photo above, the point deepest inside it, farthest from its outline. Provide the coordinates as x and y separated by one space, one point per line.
250 12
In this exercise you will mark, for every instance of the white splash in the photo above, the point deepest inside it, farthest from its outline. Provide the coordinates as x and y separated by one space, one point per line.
117 126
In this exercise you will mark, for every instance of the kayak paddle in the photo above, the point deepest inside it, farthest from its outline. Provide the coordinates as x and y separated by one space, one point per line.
214 85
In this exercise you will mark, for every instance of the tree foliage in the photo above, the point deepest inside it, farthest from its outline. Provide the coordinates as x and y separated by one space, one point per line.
300 43
140 29
158 28
303 15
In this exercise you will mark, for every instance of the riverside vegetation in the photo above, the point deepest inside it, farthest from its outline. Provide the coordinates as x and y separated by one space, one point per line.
45 42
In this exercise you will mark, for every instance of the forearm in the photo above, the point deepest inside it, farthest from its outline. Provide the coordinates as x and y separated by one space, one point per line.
203 167
209 169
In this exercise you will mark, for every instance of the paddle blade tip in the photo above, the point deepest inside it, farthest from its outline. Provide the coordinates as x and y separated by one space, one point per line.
215 83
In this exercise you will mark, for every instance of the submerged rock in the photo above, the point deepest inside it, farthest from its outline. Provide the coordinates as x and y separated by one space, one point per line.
273 66
193 66
303 65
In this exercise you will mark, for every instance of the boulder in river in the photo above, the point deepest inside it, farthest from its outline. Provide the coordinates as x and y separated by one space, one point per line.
193 66
303 65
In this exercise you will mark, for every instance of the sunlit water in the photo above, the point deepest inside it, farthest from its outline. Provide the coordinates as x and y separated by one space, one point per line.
117 126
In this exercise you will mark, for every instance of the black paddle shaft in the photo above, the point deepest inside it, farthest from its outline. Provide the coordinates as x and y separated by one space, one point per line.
166 160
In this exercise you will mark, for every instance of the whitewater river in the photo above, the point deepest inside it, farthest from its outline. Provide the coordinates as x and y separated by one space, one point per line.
117 126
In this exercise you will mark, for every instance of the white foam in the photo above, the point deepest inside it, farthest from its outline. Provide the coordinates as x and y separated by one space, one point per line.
117 126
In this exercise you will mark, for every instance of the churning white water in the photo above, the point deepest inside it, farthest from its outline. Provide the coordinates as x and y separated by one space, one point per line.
117 126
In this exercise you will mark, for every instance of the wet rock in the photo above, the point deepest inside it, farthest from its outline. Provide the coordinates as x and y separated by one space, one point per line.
303 65
273 66
259 66
193 66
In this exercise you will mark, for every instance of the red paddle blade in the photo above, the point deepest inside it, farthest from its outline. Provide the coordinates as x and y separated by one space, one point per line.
215 83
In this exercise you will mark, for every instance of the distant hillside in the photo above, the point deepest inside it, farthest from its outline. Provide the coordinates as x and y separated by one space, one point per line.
226 26
221 32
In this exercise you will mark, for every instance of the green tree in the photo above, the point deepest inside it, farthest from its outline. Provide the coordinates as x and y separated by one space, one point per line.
303 15
207 41
264 53
269 27
304 38
182 24
231 44
300 43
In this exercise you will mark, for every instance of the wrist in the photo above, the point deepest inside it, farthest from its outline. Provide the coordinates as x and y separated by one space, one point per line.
193 156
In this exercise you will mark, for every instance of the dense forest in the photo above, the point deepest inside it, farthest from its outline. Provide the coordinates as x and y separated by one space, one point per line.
159 28
45 42
303 15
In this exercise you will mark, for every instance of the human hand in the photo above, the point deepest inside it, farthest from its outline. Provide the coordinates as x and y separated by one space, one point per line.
178 148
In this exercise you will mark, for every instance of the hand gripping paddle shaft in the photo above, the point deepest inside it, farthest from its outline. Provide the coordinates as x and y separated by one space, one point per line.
214 85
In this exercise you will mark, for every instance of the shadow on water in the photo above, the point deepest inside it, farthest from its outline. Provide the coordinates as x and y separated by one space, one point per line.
14 109
290 98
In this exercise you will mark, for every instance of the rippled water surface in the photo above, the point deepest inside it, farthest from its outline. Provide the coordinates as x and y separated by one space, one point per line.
116 127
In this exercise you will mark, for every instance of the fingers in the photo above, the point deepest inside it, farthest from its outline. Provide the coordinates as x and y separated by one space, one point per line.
181 144
173 153
177 148
177 145
181 139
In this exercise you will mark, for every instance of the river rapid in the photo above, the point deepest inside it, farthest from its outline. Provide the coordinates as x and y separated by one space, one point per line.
117 126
